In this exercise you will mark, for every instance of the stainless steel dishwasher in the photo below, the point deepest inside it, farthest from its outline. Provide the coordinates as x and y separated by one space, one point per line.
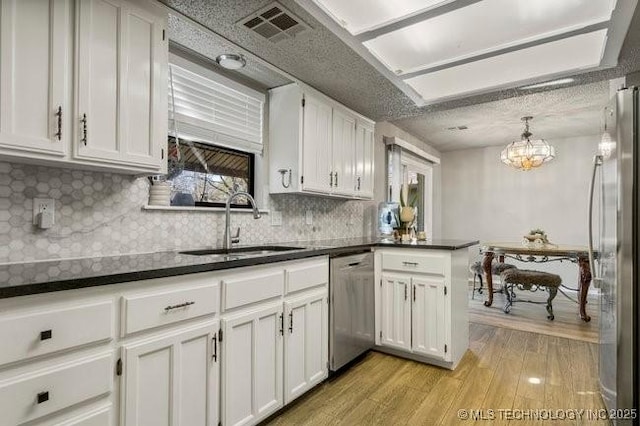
351 308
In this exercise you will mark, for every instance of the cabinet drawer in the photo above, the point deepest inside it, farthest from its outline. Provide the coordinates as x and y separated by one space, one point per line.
422 263
144 311
41 393
256 286
101 417
307 275
39 333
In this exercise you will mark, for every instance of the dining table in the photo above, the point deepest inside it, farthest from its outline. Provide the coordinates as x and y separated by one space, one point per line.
539 253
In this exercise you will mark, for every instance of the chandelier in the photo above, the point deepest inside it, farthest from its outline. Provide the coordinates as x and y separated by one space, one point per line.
527 154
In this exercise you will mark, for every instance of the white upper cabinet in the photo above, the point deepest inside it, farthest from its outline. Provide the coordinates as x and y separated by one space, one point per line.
343 152
35 76
314 146
364 160
87 89
122 68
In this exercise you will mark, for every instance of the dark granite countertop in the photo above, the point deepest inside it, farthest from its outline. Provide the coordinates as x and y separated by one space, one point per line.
19 279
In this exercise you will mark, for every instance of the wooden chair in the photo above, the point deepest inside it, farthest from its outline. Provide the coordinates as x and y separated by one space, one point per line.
524 279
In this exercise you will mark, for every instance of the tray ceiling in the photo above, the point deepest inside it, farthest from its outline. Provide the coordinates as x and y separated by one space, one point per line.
440 50
324 59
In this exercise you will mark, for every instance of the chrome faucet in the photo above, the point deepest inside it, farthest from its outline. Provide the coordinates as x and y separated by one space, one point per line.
228 240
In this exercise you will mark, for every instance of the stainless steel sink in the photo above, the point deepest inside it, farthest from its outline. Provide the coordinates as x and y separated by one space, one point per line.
235 253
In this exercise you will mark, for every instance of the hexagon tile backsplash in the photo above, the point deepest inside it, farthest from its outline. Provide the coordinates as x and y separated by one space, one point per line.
100 214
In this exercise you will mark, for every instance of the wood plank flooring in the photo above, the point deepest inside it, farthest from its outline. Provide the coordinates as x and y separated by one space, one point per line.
503 369
533 317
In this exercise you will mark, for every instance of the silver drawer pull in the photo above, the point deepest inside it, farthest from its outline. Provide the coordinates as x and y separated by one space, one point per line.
181 305
410 263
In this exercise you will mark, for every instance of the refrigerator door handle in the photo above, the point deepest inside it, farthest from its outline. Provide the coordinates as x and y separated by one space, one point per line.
597 162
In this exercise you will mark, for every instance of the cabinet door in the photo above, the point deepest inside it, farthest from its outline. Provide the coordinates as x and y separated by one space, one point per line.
343 153
173 380
364 161
428 324
35 69
252 365
121 84
396 312
316 145
305 343
144 78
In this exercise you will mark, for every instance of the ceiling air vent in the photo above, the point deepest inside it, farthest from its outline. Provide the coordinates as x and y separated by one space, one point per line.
275 23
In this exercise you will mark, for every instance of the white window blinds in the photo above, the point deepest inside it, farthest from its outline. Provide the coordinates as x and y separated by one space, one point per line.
213 109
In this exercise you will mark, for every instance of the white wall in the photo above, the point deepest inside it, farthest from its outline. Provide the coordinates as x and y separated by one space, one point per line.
486 200
387 129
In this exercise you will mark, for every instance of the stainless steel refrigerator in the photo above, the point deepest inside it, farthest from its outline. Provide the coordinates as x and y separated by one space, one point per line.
614 260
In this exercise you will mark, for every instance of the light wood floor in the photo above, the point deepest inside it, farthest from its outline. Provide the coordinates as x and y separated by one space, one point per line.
503 369
533 317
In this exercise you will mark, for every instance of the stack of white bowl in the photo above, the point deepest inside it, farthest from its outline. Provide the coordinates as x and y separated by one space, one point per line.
160 194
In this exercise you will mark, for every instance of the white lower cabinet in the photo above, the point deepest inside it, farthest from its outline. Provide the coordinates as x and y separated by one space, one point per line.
229 347
44 391
421 304
428 322
305 343
100 417
252 364
172 379
275 342
395 309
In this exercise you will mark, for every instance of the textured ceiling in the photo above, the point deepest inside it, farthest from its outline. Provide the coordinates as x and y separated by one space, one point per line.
185 34
561 113
322 60
317 57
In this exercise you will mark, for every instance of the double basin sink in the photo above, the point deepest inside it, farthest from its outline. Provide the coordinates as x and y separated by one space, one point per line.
240 252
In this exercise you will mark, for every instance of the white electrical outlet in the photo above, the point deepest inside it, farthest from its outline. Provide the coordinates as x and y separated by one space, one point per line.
43 207
276 218
309 217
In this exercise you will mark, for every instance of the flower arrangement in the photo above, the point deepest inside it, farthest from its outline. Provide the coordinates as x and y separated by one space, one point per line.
406 212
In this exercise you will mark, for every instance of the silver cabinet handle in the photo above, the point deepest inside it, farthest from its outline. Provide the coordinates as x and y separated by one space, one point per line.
282 324
336 179
84 129
291 322
181 305
358 183
330 179
58 134
410 263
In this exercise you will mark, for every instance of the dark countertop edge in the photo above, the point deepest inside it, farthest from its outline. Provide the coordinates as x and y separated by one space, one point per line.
119 278
449 247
